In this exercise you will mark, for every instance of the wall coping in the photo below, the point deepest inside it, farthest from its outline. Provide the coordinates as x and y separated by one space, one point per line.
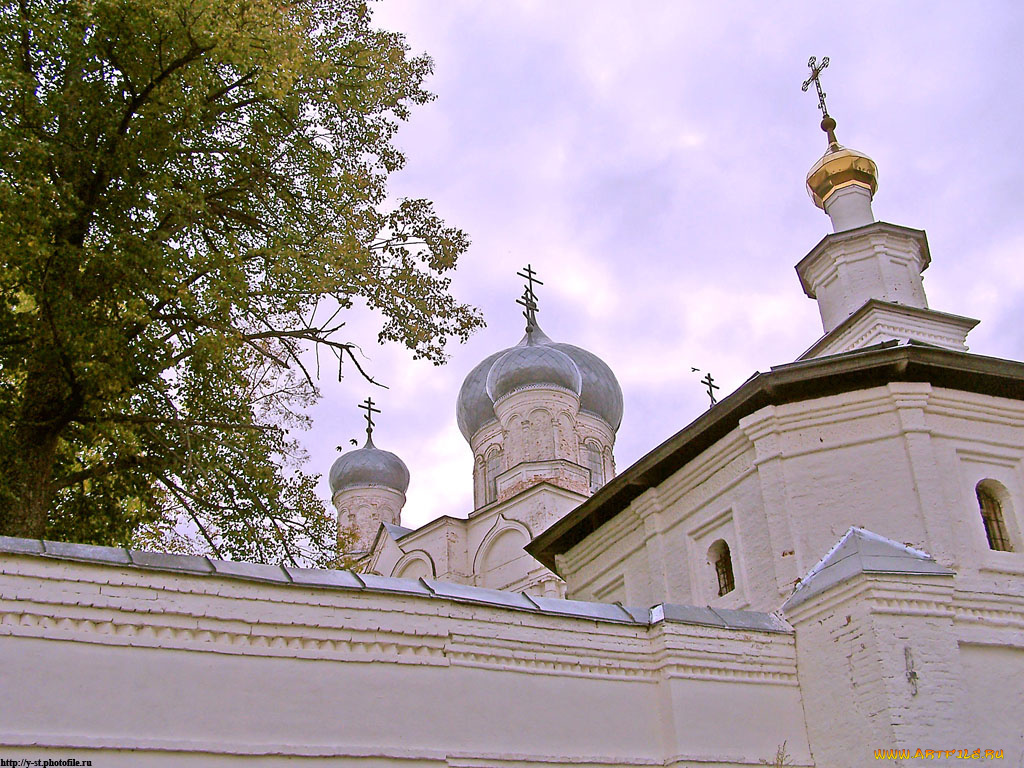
310 578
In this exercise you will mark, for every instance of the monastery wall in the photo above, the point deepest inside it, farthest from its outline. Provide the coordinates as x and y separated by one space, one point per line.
133 659
991 696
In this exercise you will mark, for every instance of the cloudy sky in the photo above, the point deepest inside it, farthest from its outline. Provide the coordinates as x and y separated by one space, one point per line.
648 159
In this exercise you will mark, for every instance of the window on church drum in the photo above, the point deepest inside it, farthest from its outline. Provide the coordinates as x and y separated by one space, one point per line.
593 461
491 476
721 558
995 524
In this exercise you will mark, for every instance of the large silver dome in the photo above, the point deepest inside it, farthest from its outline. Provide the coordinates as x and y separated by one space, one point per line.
599 390
369 466
532 365
474 408
601 393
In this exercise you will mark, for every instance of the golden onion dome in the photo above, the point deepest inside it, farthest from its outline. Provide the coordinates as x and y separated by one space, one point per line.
839 167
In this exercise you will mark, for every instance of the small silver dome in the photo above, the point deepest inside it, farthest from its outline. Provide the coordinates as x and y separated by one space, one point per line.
369 466
535 363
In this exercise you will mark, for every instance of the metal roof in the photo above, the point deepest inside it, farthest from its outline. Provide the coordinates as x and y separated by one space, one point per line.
861 551
599 390
310 578
532 365
369 466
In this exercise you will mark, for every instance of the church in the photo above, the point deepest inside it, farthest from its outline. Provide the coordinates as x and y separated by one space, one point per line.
826 568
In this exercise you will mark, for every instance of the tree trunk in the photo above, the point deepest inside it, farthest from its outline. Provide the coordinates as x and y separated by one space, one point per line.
49 405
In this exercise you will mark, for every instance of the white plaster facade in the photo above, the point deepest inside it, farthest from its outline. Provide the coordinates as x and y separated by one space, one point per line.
484 550
902 460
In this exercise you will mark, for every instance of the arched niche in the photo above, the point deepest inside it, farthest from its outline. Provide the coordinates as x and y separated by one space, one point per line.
503 544
415 565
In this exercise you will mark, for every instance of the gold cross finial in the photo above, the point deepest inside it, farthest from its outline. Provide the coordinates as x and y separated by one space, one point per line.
828 125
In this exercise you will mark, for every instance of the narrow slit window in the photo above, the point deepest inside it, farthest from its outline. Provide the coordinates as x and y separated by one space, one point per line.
491 476
722 560
995 524
593 460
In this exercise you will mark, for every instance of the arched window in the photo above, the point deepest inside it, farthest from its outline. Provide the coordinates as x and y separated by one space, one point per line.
992 517
592 460
720 557
493 469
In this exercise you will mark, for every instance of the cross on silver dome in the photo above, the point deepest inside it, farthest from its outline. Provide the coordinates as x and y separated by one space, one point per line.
369 466
367 405
529 298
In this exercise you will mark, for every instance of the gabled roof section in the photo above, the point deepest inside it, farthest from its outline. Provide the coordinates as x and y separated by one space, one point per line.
794 382
396 531
861 551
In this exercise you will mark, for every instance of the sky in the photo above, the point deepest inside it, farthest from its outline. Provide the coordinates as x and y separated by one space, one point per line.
648 159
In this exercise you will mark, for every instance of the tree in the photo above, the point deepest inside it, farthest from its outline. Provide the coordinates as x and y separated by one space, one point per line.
190 192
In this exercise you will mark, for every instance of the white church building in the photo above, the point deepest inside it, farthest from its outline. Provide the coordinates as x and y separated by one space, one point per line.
824 569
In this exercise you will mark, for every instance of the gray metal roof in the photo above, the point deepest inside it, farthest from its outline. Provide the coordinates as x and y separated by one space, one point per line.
861 551
719 617
289 576
369 466
532 365
474 408
601 395
599 390
396 531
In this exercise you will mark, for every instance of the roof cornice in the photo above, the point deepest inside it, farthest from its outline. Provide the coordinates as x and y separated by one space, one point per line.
793 382
876 227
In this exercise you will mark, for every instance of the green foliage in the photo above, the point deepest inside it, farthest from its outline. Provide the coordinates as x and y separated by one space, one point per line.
188 189
780 760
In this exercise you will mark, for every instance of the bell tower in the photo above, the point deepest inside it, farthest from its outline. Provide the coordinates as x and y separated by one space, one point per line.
867 275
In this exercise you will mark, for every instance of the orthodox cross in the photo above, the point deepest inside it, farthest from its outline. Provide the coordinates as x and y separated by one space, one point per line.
527 301
828 125
370 410
711 387
816 70
529 298
530 276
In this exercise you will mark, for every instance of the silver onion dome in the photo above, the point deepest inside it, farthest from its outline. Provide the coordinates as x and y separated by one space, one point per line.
599 391
369 466
535 364
474 408
601 394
